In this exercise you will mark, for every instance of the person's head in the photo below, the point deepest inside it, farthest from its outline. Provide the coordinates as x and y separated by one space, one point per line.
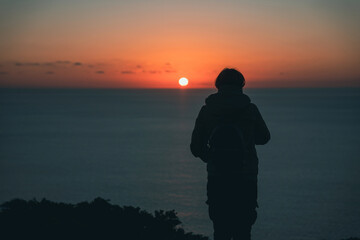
230 76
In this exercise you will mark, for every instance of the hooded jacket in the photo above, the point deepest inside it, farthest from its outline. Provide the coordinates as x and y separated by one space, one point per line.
231 104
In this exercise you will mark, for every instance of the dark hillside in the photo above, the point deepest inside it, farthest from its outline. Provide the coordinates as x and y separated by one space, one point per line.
20 219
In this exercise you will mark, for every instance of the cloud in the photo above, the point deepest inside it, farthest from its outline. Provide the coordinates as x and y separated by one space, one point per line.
27 64
169 68
100 72
45 64
151 71
49 64
127 72
77 64
154 72
138 66
50 72
4 73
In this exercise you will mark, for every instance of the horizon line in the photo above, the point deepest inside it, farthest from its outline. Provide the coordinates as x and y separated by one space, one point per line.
166 88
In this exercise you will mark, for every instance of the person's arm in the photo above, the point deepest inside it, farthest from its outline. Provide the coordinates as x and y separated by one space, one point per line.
199 137
262 133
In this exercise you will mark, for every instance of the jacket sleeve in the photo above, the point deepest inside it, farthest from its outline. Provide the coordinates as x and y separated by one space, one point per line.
262 133
199 137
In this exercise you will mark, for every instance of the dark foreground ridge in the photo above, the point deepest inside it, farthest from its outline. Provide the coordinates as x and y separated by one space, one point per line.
20 219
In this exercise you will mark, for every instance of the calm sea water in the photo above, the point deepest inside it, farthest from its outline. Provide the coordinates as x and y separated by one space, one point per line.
132 147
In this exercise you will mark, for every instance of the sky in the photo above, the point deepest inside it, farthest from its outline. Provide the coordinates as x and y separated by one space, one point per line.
153 43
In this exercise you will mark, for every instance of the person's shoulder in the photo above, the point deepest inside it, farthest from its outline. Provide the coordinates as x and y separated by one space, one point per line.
253 107
202 112
253 110
203 108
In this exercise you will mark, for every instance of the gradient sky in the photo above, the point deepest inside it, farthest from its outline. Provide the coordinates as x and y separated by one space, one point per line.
143 43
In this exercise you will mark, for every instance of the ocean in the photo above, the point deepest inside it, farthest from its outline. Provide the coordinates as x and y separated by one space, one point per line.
131 146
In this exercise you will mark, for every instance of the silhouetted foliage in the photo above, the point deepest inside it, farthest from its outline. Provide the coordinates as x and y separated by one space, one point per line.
352 238
20 219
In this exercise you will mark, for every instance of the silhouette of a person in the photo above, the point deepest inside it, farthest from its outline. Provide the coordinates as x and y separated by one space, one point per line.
231 195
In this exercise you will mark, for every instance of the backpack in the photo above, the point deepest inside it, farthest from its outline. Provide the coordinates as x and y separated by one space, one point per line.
226 147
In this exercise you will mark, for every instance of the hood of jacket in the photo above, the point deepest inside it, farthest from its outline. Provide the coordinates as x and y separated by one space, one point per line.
227 100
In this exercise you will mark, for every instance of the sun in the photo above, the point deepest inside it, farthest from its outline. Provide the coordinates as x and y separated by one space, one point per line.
183 82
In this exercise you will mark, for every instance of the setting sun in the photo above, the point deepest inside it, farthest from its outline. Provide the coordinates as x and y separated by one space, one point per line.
183 82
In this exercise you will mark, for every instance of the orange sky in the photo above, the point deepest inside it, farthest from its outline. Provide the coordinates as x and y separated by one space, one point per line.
153 43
